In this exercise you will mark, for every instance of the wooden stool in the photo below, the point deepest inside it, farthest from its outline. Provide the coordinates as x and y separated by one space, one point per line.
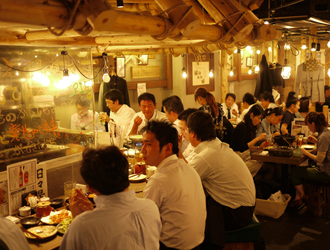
243 238
319 196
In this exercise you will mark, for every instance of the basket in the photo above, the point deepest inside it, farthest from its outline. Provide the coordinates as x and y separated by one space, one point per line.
271 209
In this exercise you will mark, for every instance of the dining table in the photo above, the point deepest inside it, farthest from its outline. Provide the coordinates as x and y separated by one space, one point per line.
285 162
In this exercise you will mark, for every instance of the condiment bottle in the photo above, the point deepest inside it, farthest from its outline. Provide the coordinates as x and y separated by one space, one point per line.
43 209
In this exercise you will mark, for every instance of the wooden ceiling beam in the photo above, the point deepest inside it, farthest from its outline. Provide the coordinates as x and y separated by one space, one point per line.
203 16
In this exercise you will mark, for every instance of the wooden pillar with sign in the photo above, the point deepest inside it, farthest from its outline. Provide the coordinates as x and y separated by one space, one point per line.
224 75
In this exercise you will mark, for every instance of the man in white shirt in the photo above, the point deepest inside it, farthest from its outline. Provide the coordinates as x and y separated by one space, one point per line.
120 113
230 108
248 102
226 179
267 100
147 104
120 220
175 187
85 119
187 153
11 236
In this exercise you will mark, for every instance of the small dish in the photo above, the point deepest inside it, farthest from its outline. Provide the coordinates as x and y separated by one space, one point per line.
307 146
137 178
30 221
56 203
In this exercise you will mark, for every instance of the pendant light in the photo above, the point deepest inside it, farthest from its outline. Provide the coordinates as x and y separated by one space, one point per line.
120 3
105 77
286 69
313 45
184 73
211 73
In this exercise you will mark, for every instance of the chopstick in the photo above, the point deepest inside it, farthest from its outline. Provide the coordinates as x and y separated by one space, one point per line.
33 234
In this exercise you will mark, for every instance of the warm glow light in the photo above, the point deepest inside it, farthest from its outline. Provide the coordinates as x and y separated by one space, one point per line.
258 51
269 49
35 56
17 73
248 48
250 51
328 44
74 78
105 77
64 83
41 78
89 83
266 22
184 74
19 64
56 54
235 51
287 46
231 73
211 73
250 71
256 70
286 72
328 72
304 46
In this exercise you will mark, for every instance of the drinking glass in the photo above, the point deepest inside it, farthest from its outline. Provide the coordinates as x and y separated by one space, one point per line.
102 121
69 188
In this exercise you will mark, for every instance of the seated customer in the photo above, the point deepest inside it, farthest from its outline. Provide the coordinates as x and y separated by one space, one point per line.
267 100
187 153
248 101
172 107
175 187
84 118
305 104
11 236
292 107
321 172
120 113
273 117
229 186
230 108
147 104
120 220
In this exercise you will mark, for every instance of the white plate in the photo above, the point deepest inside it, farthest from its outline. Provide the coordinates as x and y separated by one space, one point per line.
306 146
46 219
137 178
42 231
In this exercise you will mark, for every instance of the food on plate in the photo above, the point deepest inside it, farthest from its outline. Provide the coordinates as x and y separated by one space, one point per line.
91 196
41 231
64 225
57 218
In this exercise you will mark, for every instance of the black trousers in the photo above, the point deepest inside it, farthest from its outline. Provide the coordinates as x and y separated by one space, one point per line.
163 247
220 219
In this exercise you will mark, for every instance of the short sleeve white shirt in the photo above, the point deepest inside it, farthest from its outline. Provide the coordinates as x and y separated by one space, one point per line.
12 235
177 190
224 174
123 116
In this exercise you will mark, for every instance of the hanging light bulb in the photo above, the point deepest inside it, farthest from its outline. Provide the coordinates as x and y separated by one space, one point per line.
211 73
269 48
286 72
105 77
256 70
287 46
120 3
304 47
258 51
248 48
313 46
266 22
184 73
250 71
231 73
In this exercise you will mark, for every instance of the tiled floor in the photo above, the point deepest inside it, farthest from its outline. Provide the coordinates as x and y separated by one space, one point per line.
297 231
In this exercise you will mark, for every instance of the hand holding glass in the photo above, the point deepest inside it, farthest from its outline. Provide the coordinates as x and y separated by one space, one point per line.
69 188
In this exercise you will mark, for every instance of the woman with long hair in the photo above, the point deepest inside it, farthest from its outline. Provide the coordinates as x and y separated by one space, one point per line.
273 117
292 107
209 105
244 135
305 104
316 123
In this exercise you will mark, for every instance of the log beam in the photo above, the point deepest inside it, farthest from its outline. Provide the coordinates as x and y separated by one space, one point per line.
199 11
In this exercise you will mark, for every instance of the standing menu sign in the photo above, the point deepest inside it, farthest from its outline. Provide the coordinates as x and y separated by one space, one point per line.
24 177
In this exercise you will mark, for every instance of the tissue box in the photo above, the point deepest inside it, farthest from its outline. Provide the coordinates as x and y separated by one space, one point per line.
271 209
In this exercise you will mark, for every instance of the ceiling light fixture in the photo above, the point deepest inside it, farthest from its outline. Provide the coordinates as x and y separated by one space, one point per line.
120 3
256 69
105 77
211 73
269 48
304 47
184 73
313 46
231 73
318 46
286 69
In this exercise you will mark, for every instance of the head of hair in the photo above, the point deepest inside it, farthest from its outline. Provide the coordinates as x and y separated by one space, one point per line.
184 114
267 96
304 104
248 98
277 111
114 95
165 133
256 110
209 98
291 99
146 97
318 119
84 101
105 169
231 95
201 123
326 87
173 103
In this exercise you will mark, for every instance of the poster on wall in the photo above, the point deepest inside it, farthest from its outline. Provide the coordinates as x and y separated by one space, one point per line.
200 73
25 179
141 88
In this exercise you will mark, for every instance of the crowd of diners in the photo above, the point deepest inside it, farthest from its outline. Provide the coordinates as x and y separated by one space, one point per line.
202 186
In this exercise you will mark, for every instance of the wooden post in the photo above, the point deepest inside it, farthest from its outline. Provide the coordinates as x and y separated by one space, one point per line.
224 75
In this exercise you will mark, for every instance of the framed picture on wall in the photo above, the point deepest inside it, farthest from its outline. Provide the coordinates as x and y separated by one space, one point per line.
143 60
198 72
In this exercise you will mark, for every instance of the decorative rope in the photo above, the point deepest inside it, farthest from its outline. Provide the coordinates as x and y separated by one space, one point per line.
168 32
230 30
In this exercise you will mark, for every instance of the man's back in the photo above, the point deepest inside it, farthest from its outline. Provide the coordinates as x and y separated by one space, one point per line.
120 221
224 175
177 190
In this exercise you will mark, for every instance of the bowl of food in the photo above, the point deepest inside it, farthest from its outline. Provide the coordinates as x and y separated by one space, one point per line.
57 203
30 221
